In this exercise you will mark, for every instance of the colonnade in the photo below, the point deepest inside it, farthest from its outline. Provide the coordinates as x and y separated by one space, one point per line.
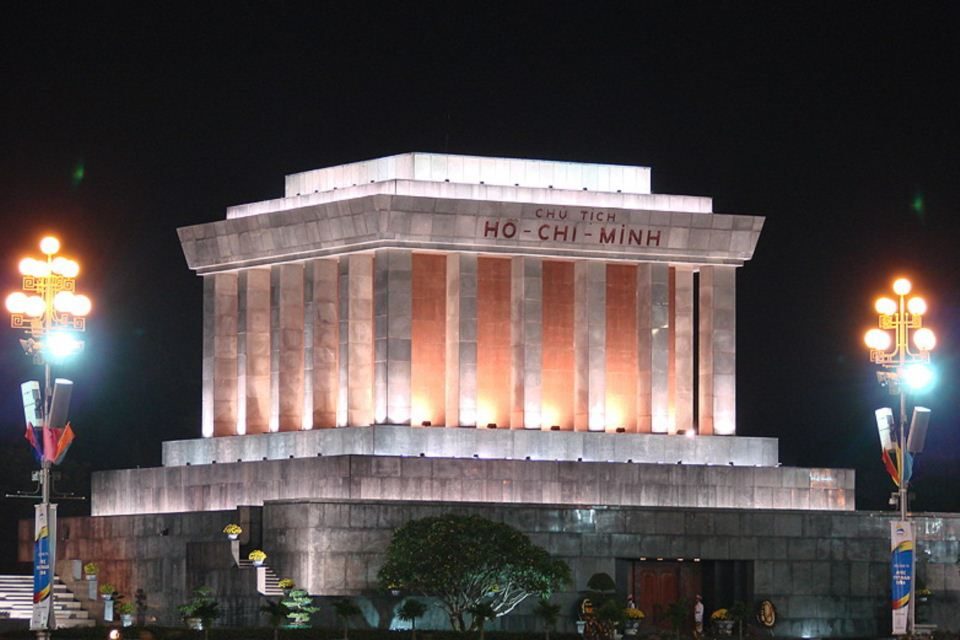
396 336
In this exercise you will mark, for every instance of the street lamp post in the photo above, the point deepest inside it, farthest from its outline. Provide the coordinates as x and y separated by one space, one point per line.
50 311
903 367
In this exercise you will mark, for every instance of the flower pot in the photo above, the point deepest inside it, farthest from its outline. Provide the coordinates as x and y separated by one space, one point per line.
395 592
194 623
90 576
257 563
126 619
233 536
581 625
108 597
725 627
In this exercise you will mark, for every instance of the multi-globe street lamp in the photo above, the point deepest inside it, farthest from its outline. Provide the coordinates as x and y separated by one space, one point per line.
51 313
906 368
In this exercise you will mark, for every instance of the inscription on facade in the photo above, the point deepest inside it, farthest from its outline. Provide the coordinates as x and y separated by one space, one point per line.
573 226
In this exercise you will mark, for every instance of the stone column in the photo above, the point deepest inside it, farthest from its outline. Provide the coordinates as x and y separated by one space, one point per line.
393 305
461 351
526 303
255 289
355 405
321 332
683 355
589 342
208 338
718 347
289 353
653 311
225 354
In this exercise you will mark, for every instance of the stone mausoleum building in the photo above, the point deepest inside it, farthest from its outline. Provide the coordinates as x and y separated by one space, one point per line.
548 344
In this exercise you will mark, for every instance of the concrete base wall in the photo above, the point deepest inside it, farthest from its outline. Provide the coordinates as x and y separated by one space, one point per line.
826 572
504 444
215 487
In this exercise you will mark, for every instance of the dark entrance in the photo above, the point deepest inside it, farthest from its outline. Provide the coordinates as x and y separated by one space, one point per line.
656 584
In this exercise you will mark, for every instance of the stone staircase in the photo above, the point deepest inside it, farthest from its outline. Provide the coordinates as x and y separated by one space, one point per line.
267 579
16 599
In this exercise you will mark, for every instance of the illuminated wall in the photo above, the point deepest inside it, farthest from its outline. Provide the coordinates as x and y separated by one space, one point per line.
494 356
428 370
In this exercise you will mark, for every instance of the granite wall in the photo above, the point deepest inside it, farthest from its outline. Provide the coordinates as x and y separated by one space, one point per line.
827 572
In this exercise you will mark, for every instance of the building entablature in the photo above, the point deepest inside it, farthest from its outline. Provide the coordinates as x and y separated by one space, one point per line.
455 225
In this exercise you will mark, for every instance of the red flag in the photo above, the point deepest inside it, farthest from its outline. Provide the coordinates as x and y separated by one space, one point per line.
50 437
63 443
891 469
32 439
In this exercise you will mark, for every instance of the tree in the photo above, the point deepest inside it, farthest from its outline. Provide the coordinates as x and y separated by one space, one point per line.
409 611
677 613
548 613
299 606
277 613
464 561
204 606
481 612
345 610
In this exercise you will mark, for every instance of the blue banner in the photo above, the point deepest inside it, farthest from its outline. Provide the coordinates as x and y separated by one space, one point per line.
901 574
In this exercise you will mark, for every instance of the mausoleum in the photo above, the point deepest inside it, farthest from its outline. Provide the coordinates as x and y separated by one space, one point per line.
548 344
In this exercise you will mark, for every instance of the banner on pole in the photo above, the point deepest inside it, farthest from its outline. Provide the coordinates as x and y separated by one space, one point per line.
901 574
42 571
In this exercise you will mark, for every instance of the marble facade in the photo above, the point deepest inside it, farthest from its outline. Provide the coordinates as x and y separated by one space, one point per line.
427 289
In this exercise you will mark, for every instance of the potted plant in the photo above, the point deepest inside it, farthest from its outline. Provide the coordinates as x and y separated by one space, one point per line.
548 614
345 609
722 621
300 607
90 570
923 594
286 584
633 616
277 612
394 589
233 531
409 611
257 556
107 590
201 611
125 609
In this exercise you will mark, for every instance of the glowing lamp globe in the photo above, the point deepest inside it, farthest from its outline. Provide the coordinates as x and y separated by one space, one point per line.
17 302
63 301
26 266
925 339
878 340
917 306
918 376
49 245
34 306
885 306
70 269
80 305
902 286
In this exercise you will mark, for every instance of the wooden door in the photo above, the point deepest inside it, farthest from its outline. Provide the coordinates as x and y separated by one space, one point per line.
657 585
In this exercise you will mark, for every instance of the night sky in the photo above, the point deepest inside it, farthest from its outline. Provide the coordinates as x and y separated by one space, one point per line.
836 121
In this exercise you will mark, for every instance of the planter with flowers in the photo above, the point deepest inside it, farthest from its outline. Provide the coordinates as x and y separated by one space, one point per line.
107 590
233 531
90 571
722 621
125 609
633 617
257 557
286 584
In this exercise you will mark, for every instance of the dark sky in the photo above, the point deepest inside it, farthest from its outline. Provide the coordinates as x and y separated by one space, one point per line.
836 121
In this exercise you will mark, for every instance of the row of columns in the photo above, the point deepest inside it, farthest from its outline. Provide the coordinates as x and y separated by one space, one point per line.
331 342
